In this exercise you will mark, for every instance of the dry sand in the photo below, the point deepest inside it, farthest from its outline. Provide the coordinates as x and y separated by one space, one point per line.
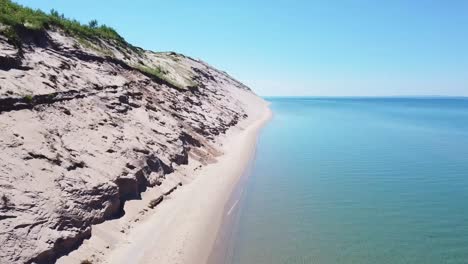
183 228
88 128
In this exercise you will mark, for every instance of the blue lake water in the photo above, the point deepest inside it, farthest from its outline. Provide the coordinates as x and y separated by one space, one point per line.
352 180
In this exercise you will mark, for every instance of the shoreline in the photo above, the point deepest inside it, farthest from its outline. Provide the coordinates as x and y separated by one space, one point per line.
222 245
222 248
184 228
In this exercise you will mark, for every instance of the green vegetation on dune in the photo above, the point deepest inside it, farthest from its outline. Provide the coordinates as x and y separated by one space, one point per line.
158 71
28 98
16 20
161 74
15 16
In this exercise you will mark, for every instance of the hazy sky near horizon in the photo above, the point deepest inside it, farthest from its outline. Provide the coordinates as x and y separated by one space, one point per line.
322 47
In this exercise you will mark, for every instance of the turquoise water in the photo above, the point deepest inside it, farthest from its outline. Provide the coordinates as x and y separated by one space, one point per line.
358 181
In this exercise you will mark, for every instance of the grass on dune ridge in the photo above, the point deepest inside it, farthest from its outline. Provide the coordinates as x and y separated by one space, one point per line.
14 16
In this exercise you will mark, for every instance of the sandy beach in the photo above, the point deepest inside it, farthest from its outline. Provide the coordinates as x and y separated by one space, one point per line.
203 132
116 154
184 226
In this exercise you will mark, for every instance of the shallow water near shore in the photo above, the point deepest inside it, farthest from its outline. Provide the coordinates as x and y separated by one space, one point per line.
358 180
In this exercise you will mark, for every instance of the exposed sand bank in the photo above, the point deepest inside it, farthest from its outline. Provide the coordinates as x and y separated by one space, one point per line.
183 228
88 128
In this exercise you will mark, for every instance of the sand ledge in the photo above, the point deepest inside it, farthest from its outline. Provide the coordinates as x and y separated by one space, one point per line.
183 228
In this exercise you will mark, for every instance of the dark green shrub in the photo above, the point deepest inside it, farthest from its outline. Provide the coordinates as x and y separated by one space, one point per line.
93 24
15 16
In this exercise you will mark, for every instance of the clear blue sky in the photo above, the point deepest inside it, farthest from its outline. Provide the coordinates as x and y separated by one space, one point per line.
322 47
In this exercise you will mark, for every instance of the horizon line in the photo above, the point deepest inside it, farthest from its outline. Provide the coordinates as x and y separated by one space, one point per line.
369 96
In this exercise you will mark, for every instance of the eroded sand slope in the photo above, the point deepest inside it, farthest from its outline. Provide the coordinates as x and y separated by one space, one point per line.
88 126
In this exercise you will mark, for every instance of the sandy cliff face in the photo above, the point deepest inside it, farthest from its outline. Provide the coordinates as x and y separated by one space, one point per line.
86 126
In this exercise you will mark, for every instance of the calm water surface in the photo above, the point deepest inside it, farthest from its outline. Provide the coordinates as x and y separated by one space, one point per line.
358 181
